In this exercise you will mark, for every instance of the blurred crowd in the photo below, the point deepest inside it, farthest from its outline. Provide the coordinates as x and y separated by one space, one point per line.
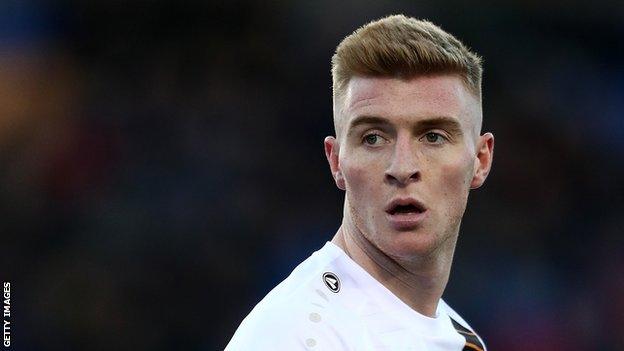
162 168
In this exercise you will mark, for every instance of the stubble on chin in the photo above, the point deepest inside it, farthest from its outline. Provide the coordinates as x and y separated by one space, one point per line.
358 230
360 233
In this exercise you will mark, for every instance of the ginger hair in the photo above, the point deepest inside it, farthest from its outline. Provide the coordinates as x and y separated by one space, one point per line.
402 47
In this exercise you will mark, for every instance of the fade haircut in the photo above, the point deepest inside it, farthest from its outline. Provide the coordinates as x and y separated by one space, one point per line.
402 47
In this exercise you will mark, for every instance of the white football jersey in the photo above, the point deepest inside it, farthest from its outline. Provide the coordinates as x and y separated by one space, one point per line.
331 303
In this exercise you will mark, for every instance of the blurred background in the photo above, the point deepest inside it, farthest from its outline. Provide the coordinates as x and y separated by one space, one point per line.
162 167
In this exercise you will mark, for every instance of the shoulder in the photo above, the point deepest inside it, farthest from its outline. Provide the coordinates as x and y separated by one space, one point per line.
300 313
294 325
462 327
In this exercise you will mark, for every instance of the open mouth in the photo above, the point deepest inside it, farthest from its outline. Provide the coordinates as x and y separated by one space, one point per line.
405 207
406 214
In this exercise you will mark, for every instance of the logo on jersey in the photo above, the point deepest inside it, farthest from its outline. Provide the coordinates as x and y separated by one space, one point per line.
331 281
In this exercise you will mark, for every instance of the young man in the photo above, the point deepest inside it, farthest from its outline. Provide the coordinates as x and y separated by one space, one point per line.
408 149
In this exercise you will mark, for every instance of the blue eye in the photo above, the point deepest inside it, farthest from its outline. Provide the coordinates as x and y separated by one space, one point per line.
434 138
373 139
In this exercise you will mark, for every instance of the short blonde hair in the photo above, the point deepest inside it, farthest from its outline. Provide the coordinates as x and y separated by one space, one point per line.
404 47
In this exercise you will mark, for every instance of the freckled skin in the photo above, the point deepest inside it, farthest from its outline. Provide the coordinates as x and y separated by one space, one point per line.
402 161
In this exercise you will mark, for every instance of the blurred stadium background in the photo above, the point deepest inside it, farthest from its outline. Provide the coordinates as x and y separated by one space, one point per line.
161 167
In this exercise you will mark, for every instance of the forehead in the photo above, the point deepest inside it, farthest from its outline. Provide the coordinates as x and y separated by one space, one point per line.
410 100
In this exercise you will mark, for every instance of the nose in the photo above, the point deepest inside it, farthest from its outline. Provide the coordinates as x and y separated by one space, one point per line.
404 166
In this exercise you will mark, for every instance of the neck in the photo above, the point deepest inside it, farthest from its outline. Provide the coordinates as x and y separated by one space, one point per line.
419 282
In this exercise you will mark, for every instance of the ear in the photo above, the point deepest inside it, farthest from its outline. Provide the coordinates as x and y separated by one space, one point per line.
483 161
331 152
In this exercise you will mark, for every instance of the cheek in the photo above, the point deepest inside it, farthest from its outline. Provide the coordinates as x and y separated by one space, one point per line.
361 176
455 176
356 175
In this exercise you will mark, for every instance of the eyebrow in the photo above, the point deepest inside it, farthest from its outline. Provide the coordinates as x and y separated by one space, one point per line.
448 123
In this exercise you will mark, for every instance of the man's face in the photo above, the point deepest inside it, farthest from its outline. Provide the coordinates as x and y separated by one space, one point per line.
407 155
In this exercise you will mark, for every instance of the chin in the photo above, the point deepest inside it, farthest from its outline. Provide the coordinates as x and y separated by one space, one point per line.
412 244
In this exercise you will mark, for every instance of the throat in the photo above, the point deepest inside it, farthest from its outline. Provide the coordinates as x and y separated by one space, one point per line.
418 284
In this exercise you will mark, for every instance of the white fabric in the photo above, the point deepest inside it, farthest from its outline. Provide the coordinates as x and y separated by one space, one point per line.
302 313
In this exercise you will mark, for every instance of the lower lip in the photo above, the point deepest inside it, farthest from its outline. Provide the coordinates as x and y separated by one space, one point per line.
406 221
